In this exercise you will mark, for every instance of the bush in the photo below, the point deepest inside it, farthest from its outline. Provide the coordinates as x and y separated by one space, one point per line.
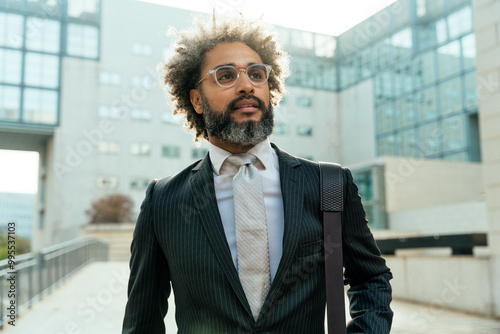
22 246
115 208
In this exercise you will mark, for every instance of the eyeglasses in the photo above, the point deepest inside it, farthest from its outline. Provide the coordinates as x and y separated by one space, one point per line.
227 75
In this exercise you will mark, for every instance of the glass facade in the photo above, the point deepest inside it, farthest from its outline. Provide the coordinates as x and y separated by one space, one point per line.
34 36
421 56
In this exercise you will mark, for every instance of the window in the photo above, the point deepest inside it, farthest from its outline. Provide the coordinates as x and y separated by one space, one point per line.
469 51
304 101
471 99
50 8
451 96
198 153
83 41
302 42
424 69
85 10
171 151
40 106
281 129
441 31
304 130
11 30
42 35
139 183
109 112
324 45
384 83
406 143
405 111
364 64
10 66
142 49
430 138
107 182
108 147
10 99
449 59
426 103
460 22
326 76
110 78
141 149
141 114
426 36
386 145
454 133
168 117
385 118
402 43
364 181
41 70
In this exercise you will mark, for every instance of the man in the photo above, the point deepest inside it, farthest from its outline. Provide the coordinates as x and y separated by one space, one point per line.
231 270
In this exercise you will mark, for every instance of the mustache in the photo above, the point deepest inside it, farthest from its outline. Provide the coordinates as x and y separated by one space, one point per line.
233 103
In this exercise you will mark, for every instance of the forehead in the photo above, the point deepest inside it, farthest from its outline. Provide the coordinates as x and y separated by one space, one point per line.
238 54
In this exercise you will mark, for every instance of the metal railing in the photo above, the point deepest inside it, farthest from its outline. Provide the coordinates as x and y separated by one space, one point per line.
36 275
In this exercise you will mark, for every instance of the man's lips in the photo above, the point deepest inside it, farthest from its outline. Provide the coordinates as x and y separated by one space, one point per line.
247 106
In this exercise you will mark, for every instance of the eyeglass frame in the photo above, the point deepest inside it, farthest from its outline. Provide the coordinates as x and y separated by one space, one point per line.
214 70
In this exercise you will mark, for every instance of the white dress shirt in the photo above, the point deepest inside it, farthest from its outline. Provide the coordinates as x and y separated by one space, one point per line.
268 166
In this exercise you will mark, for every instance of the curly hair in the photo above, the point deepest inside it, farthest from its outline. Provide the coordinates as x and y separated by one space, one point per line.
182 70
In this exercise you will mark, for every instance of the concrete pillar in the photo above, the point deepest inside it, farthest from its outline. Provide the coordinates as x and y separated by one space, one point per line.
487 30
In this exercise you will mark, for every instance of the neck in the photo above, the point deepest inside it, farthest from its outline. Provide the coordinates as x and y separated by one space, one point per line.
230 147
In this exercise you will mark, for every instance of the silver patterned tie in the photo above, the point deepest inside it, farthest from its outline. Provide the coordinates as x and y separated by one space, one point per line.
251 231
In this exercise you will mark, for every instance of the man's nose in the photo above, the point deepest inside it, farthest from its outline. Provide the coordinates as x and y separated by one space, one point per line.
243 84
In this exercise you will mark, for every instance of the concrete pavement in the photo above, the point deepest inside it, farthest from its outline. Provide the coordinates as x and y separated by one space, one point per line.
93 302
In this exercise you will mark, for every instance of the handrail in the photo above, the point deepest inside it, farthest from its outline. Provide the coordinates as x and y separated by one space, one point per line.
38 274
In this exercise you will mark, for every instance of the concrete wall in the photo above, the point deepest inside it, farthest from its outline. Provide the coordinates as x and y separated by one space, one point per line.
463 217
455 282
487 30
419 183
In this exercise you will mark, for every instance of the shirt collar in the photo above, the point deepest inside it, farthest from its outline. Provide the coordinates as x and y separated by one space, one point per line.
262 151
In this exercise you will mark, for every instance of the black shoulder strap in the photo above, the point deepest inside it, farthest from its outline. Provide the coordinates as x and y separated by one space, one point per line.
332 204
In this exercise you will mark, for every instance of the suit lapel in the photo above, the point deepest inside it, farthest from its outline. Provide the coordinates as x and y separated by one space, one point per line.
203 192
292 188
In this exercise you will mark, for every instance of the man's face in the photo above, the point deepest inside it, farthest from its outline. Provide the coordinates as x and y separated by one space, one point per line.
241 114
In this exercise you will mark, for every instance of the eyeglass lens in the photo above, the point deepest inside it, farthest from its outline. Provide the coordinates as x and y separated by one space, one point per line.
227 75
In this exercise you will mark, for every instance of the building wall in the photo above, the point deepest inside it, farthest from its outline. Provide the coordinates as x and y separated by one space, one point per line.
487 29
323 118
416 184
462 217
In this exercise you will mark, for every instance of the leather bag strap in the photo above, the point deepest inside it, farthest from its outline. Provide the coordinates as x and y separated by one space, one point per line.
331 198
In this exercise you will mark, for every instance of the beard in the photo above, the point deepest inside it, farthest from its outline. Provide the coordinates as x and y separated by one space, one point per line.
221 125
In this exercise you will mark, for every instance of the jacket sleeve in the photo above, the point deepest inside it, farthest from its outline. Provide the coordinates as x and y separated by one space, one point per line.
149 282
370 292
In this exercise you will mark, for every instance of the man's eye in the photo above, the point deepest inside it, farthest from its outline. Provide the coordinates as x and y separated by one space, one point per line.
225 75
256 75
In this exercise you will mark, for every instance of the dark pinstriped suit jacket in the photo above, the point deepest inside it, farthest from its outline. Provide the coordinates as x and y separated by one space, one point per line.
179 239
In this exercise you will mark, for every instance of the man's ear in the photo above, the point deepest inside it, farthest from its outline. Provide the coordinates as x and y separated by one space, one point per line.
195 98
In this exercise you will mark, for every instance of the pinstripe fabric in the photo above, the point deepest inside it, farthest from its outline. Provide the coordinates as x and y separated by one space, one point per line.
179 239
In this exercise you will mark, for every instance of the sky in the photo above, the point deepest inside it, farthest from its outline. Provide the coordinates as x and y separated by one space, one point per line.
331 17
19 170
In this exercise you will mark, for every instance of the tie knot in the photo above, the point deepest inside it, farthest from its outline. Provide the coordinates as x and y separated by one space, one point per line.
241 159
